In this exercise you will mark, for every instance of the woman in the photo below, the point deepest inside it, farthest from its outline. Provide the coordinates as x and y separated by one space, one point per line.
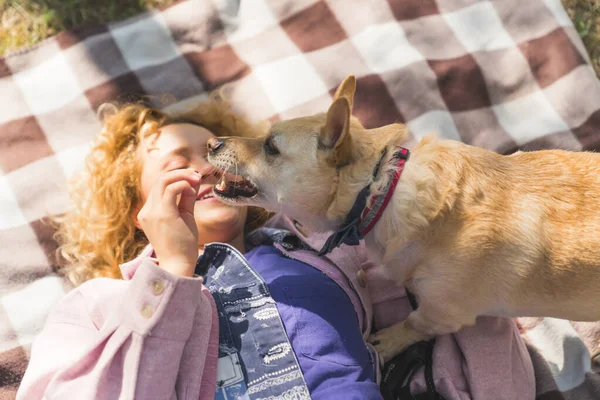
270 319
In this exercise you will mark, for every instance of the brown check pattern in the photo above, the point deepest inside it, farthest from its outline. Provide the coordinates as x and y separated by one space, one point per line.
500 74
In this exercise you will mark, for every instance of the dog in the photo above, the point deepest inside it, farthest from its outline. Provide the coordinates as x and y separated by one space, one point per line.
468 231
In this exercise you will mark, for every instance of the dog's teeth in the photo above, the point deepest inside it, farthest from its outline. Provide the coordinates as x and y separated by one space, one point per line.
223 184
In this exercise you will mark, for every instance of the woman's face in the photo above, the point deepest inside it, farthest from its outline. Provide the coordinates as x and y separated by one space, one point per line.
184 146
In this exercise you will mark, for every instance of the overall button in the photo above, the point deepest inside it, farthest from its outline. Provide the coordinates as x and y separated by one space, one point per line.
157 287
362 278
146 311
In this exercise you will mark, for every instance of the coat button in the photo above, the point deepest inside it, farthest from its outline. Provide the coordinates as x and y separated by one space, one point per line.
157 287
298 227
362 278
146 311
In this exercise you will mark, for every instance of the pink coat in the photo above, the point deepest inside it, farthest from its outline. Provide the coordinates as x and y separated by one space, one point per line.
152 336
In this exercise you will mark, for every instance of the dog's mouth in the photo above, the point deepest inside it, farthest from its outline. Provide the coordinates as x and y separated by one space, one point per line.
234 189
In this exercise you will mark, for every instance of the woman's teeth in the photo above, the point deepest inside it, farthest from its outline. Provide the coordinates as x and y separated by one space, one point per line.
206 196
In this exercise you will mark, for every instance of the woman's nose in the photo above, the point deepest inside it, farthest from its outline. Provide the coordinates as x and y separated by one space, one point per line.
205 169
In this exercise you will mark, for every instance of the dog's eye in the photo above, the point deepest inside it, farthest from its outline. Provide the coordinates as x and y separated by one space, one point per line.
270 147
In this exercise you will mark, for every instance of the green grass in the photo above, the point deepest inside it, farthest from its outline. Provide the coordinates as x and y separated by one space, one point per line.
27 22
585 15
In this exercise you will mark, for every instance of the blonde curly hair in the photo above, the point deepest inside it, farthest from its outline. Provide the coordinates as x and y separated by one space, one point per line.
98 233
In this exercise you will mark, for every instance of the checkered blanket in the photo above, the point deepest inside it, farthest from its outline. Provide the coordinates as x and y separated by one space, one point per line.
502 74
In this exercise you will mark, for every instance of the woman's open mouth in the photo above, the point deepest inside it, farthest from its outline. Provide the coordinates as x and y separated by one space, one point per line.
237 188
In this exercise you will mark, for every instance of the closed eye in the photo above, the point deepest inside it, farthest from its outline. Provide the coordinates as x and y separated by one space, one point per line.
270 147
177 164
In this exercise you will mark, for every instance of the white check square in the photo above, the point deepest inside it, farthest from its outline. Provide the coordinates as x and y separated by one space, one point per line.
81 127
11 212
244 19
528 118
438 122
289 82
145 42
558 10
41 188
49 86
479 28
28 308
385 47
15 108
72 160
567 102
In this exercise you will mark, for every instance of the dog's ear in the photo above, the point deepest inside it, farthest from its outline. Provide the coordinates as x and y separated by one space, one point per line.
346 89
337 127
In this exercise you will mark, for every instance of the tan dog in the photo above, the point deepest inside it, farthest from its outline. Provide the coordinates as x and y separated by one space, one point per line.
468 231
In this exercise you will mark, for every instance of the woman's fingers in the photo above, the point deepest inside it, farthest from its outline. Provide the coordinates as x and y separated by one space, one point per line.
168 178
176 193
164 197
159 189
188 199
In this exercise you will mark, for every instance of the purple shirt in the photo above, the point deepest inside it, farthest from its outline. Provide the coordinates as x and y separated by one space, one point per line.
321 324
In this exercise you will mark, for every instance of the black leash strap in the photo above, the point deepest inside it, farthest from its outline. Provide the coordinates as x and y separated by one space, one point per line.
399 372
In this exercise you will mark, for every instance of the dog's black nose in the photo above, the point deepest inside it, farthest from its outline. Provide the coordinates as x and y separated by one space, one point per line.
215 144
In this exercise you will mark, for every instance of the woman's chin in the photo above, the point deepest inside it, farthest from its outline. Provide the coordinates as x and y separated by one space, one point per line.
220 215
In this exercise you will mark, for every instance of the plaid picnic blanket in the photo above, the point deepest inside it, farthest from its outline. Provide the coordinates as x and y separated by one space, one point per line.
503 74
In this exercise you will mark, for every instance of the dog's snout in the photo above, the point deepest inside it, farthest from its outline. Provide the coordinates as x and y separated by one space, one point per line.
215 144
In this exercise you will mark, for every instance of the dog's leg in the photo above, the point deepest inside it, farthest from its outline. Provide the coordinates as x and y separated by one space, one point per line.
421 324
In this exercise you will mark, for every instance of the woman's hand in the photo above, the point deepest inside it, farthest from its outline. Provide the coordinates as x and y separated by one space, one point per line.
169 224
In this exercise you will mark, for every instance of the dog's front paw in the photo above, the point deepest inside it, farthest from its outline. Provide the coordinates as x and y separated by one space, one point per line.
391 341
388 343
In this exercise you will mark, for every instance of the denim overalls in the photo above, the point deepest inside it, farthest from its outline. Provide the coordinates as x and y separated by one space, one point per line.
256 359
252 337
